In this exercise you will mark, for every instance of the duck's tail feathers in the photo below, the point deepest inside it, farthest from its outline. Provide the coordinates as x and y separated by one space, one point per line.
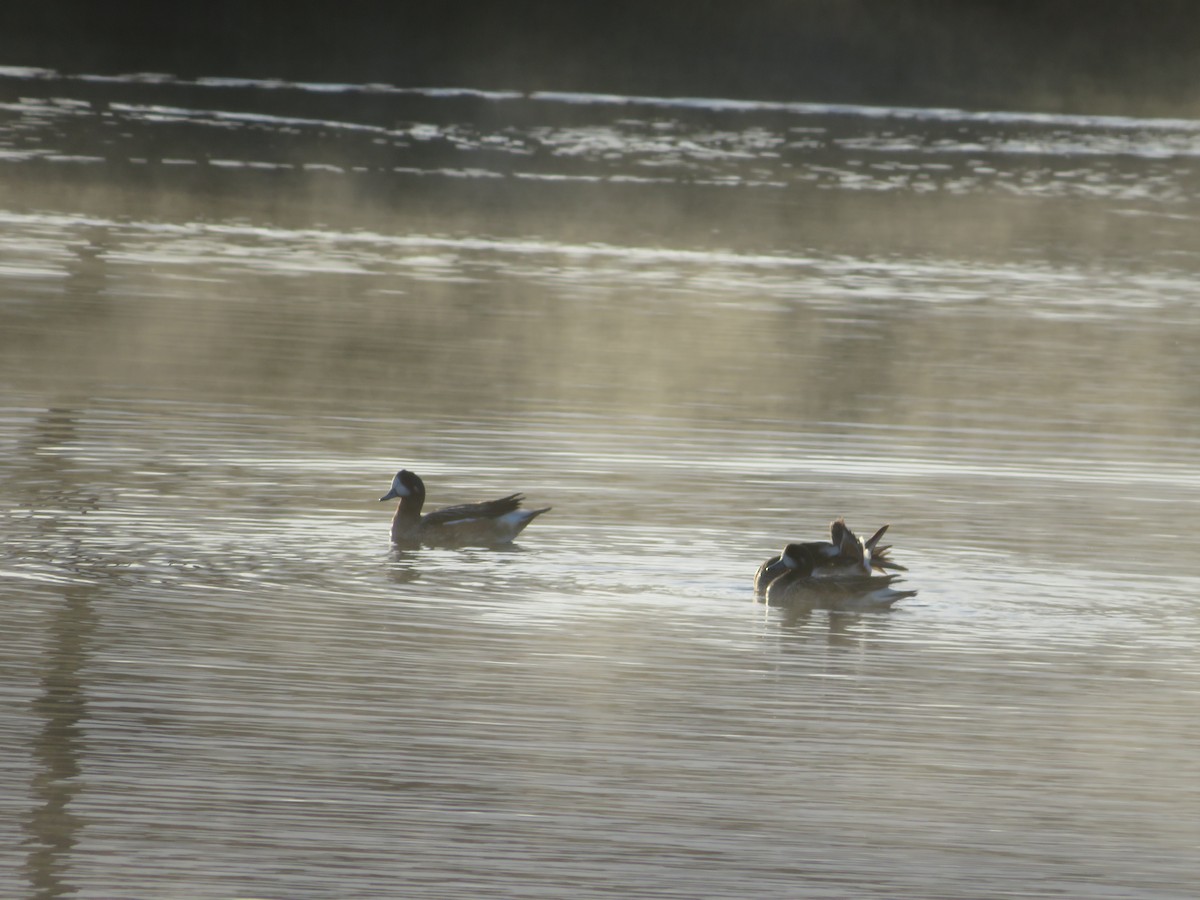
874 539
879 554
519 518
884 563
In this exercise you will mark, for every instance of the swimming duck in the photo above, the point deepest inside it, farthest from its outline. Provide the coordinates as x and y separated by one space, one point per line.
843 555
798 585
488 524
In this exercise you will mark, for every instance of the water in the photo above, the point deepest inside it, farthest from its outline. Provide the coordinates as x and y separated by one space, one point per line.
231 310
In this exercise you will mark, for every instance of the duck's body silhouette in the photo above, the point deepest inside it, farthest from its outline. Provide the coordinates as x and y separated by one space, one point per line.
843 556
798 585
492 523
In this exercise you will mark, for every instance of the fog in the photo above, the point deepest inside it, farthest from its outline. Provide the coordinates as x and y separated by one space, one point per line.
925 264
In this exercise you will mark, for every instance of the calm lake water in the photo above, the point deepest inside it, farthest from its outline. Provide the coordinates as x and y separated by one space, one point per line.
230 311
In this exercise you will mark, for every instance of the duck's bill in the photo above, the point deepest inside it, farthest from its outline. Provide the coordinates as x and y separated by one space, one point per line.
389 495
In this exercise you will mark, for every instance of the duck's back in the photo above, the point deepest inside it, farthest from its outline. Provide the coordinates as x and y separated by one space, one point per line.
489 524
488 509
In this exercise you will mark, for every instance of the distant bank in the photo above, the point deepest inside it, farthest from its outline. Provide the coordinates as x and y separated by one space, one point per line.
1095 56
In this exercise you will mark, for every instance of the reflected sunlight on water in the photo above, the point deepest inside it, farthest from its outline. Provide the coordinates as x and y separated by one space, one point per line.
223 682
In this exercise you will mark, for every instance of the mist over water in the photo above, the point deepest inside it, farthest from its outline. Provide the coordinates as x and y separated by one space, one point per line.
697 328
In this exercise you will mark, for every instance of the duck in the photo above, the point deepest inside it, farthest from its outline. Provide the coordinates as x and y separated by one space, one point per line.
843 555
492 523
798 585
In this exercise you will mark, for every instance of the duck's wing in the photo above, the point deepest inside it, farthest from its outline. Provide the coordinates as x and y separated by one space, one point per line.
847 558
837 530
491 524
489 509
850 545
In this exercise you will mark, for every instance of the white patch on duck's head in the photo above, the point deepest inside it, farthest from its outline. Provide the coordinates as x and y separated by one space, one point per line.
399 487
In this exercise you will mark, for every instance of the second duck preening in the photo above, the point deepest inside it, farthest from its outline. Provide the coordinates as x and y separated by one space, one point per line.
847 593
492 523
844 554
834 574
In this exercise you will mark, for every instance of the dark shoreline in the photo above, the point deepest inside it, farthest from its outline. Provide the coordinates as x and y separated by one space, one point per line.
1055 56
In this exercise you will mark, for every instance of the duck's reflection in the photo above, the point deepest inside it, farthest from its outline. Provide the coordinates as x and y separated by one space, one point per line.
802 626
51 827
836 613
403 565
48 487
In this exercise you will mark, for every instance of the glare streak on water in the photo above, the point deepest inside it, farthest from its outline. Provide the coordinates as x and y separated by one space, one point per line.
1076 293
661 134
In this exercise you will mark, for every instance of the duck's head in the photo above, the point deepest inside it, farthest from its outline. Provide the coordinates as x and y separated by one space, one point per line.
405 484
799 558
